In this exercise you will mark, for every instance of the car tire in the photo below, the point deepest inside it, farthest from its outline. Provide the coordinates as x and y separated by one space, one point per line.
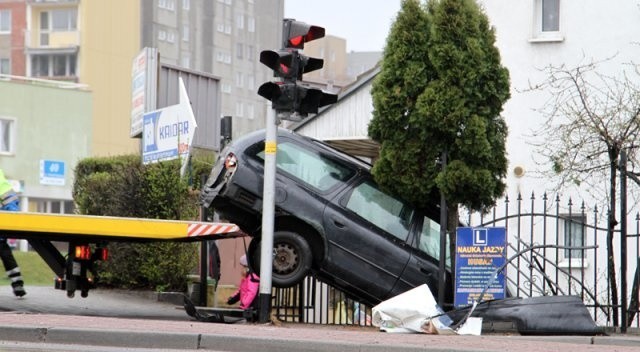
292 258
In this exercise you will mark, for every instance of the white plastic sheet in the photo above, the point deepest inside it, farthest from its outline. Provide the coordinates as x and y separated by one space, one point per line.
416 311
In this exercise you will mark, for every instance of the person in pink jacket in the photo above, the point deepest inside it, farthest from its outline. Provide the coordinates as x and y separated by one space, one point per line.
248 289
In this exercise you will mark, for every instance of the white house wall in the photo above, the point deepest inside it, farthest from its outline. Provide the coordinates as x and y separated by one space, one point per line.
591 30
348 119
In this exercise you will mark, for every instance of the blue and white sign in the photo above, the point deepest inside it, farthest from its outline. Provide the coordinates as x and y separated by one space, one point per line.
479 252
167 133
52 172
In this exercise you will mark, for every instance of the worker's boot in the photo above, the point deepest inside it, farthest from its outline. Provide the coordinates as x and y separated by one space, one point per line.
16 282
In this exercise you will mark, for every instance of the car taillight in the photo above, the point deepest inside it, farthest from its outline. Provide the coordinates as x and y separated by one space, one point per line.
102 253
83 252
230 162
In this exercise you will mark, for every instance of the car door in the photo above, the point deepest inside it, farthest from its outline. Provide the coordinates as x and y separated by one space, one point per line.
423 265
367 231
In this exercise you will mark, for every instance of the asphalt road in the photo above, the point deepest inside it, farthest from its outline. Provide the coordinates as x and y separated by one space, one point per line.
100 303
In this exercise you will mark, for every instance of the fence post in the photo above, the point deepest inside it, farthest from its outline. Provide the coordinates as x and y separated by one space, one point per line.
623 241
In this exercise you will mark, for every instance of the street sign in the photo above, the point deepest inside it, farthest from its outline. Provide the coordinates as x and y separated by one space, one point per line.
144 77
168 132
52 172
479 252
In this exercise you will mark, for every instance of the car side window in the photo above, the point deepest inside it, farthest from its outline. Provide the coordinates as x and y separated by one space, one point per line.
429 240
384 211
310 168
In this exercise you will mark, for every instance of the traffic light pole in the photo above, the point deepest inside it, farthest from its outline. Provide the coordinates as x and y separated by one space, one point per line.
268 215
287 97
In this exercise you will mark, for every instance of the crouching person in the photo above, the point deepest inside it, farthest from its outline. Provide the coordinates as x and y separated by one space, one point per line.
248 289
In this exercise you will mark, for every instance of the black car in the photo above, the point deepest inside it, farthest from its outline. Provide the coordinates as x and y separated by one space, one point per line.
331 219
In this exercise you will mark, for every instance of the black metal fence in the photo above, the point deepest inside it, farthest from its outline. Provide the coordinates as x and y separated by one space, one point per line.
553 269
565 252
318 303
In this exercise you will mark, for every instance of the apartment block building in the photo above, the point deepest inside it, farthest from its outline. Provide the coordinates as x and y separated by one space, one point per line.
93 43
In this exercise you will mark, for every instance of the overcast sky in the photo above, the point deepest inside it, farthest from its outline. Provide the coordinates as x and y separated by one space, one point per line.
363 23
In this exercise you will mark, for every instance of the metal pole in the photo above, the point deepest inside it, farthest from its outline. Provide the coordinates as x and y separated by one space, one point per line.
268 211
623 240
203 254
443 240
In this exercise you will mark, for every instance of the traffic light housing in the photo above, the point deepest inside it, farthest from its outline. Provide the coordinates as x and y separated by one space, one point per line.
287 95
295 33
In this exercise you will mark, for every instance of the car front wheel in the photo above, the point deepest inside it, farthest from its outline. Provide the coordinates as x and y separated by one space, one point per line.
292 258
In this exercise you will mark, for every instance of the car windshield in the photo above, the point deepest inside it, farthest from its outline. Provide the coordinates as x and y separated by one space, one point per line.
311 168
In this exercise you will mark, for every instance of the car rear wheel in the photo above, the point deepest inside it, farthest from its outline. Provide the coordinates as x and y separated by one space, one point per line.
292 258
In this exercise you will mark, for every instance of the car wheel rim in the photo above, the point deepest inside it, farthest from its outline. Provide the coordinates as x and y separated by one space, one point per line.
286 258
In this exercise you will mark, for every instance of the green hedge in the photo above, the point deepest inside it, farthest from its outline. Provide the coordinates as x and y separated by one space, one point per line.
123 186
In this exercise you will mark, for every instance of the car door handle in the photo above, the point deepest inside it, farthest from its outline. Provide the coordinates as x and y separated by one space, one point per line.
338 223
426 271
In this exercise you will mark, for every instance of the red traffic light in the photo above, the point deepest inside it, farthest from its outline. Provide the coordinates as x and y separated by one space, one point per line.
282 62
289 64
296 33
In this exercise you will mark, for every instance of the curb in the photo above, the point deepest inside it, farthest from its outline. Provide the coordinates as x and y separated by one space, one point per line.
189 341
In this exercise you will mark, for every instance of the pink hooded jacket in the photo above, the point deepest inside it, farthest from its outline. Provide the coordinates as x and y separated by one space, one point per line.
248 290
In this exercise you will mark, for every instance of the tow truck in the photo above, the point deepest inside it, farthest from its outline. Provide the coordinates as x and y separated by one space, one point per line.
88 235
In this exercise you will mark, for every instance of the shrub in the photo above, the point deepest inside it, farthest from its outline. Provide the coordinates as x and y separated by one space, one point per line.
123 186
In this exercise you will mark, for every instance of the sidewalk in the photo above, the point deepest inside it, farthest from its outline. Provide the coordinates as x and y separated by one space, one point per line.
119 320
192 335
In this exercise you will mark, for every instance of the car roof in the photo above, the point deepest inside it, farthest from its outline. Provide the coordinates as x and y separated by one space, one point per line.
259 135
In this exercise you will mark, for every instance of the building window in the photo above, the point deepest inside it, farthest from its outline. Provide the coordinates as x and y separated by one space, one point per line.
162 35
239 109
171 37
239 80
5 21
223 57
250 111
185 60
251 24
5 66
167 4
226 88
64 20
186 4
550 15
546 24
185 33
53 65
250 53
53 206
240 21
251 81
7 135
239 49
574 229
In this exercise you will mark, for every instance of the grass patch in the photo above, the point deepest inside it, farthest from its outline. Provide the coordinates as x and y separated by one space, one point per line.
35 271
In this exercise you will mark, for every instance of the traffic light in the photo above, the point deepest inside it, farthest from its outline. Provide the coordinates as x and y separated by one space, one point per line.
295 33
287 95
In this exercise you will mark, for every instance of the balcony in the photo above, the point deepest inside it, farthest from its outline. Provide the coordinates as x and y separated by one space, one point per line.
52 2
52 42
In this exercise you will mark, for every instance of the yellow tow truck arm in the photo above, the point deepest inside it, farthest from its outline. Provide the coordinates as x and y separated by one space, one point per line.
65 227
87 236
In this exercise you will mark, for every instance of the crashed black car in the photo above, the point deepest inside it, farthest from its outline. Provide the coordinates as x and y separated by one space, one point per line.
331 219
